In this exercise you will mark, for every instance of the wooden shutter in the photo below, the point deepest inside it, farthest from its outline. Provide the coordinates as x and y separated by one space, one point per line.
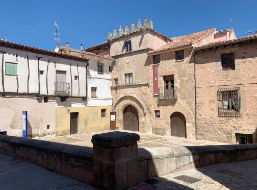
14 69
131 79
7 68
93 92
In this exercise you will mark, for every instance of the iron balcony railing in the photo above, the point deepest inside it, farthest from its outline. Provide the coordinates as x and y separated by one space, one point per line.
62 88
166 94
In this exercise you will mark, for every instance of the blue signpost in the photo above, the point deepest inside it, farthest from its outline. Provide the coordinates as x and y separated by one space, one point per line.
25 124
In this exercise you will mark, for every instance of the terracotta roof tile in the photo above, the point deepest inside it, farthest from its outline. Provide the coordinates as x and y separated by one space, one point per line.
182 41
12 45
226 42
105 44
86 53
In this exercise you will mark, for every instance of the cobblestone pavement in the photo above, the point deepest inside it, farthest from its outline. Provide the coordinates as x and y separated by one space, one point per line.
236 175
146 140
16 174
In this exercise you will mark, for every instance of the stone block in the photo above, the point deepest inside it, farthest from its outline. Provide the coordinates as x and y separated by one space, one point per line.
125 153
220 158
121 175
182 161
250 154
1 150
51 161
142 170
25 153
41 158
97 169
108 176
171 164
63 168
77 173
32 155
133 173
89 177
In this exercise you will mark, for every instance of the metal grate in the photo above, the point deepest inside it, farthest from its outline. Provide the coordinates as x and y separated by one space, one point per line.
187 179
228 102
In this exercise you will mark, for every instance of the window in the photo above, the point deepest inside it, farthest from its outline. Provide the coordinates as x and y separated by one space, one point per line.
103 112
180 55
100 68
93 92
168 91
129 78
76 77
11 69
128 46
110 69
45 99
157 113
228 61
116 82
156 59
228 102
48 126
41 72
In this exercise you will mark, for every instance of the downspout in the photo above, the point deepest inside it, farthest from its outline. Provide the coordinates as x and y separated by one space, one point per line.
195 103
3 70
86 81
38 58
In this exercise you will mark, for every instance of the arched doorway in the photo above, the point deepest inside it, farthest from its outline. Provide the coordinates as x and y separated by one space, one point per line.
130 119
178 124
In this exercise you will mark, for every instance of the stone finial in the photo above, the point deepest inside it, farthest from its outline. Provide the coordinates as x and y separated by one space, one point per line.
151 24
120 31
126 29
109 35
114 33
132 27
145 23
139 25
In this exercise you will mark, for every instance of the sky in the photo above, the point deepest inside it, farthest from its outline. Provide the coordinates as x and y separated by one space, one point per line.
31 22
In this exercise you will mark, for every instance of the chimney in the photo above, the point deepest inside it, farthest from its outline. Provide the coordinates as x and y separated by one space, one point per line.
81 47
67 48
6 36
255 32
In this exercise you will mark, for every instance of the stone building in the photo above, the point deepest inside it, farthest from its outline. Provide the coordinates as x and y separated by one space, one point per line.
153 78
226 90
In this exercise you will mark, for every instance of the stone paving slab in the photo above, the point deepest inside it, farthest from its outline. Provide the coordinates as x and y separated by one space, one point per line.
235 175
146 140
18 175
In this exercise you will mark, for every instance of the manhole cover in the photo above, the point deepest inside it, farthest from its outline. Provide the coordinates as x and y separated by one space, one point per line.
228 172
152 181
144 187
187 179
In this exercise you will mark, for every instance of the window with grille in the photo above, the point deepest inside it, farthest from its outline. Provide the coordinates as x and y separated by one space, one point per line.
93 92
129 78
180 55
156 59
100 68
11 68
157 113
228 61
229 102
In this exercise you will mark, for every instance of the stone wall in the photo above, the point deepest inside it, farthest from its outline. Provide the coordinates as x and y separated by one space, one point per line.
210 77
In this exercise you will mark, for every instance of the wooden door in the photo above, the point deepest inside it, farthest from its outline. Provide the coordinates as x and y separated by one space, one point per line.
178 124
113 120
74 123
130 119
169 87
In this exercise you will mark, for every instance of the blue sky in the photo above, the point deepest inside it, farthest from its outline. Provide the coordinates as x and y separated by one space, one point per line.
31 22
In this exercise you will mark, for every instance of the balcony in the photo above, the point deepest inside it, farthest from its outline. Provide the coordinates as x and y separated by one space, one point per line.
167 94
62 88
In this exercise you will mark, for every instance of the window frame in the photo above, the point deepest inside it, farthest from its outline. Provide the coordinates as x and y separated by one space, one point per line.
11 73
233 104
155 114
128 47
103 111
102 66
95 92
154 59
229 66
130 78
176 53
116 82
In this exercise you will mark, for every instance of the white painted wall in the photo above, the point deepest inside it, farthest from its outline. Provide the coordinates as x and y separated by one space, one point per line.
53 64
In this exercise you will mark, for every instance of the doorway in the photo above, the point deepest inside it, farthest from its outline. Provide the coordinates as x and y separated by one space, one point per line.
178 124
130 119
74 122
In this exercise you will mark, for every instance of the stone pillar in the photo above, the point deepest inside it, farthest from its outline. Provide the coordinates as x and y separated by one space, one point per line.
120 31
115 160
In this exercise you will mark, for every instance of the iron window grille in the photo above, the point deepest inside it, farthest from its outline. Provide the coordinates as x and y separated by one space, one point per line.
228 102
228 61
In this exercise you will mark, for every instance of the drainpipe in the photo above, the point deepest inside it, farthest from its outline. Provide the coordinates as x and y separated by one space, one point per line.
86 80
195 103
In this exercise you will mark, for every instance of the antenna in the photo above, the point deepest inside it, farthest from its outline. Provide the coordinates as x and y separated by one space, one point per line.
250 32
231 22
57 40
